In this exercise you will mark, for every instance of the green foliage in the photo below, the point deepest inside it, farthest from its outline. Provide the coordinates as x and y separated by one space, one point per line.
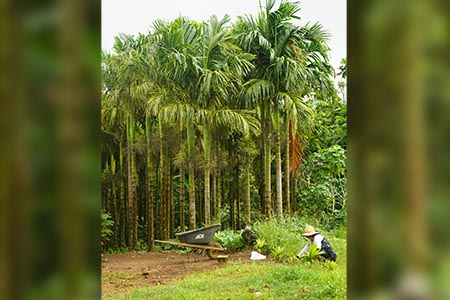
322 190
230 239
262 246
222 215
278 253
323 193
106 225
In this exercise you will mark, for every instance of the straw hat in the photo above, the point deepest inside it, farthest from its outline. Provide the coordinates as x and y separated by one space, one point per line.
309 231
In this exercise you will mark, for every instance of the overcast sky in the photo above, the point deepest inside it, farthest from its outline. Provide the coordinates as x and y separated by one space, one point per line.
134 16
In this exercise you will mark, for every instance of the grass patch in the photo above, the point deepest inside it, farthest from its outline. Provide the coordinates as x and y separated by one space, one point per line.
254 280
258 280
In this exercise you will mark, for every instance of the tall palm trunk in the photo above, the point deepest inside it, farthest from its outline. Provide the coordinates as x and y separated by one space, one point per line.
122 199
216 184
163 183
247 197
190 140
235 211
150 172
132 211
287 173
267 171
182 197
278 166
114 214
169 191
207 158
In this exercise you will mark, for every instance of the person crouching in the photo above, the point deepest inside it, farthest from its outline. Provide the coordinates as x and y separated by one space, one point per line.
320 242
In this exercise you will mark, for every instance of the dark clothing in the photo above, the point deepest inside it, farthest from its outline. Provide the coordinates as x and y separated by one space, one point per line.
329 253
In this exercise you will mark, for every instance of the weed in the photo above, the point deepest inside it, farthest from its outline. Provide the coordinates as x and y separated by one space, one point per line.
278 253
261 245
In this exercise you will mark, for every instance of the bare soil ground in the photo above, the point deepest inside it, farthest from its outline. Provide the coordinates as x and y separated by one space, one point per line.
122 273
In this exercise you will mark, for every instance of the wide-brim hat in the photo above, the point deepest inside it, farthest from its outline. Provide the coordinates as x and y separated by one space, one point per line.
309 231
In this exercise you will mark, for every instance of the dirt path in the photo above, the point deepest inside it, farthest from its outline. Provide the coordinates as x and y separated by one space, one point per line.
122 273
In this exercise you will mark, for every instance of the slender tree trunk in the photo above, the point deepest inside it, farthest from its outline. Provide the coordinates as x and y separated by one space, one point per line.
170 196
163 183
232 193
207 141
129 189
114 214
150 222
122 200
214 197
267 172
287 173
182 198
132 186
236 197
247 197
278 175
191 174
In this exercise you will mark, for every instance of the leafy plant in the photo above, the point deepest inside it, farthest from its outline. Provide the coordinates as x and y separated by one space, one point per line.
106 225
278 253
261 245
230 239
312 254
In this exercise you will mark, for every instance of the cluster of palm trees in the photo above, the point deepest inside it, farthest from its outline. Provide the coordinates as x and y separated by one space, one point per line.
214 102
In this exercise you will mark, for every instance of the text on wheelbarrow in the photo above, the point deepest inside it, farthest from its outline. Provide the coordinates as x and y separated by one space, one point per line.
199 236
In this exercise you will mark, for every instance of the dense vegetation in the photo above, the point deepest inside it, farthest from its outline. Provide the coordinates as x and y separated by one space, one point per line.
220 123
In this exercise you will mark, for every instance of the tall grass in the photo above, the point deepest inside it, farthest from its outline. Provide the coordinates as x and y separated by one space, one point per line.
281 237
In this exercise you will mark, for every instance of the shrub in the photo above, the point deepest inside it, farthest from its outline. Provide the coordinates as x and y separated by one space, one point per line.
230 239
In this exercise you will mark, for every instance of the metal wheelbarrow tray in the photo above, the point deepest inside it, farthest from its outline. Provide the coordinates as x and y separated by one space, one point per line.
200 238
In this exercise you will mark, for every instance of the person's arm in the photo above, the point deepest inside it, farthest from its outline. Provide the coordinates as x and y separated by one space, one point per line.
304 250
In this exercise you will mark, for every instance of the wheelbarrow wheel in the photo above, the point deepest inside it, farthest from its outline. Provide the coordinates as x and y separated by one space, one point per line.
214 254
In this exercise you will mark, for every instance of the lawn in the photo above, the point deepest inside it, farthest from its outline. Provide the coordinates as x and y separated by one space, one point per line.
258 280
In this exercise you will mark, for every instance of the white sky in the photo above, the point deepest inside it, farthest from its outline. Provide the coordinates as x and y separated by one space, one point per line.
134 16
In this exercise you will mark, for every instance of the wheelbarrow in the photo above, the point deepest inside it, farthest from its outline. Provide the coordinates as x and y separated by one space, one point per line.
200 238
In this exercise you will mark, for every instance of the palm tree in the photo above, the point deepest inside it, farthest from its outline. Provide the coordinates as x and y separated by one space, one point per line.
222 67
172 45
277 84
205 71
123 94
